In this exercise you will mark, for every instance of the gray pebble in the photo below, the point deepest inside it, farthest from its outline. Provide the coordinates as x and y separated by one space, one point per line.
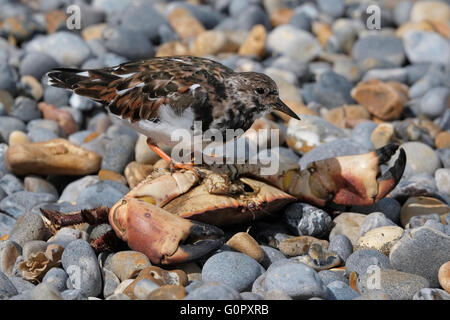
143 288
296 279
362 261
80 263
328 276
21 285
36 184
305 219
213 291
332 8
435 102
431 294
271 255
6 223
389 206
374 220
56 96
45 291
251 296
11 184
276 294
7 288
362 132
398 285
234 269
442 177
119 40
110 282
23 201
56 277
25 109
338 290
29 226
9 252
73 190
73 294
9 124
37 64
381 47
65 236
102 193
49 125
341 245
421 251
41 134
119 152
426 47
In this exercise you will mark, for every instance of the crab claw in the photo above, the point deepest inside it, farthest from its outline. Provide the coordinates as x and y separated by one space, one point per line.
163 237
360 180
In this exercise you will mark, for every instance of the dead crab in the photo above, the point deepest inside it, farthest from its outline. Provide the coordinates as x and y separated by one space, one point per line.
170 216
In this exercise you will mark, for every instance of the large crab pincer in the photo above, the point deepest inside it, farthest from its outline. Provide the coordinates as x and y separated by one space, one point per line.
170 216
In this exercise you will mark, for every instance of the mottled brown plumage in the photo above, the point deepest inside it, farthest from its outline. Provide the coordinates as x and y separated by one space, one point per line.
164 94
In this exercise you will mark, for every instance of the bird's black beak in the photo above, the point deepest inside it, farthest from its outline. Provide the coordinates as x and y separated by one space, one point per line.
281 106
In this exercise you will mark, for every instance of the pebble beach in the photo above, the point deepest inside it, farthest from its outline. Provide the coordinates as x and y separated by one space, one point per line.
360 74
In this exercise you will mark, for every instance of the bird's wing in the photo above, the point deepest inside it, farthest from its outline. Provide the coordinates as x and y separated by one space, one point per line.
136 90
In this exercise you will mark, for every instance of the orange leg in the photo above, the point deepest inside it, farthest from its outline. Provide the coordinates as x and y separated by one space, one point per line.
173 164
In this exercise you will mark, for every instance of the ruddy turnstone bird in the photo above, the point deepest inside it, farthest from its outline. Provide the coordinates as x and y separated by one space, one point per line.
160 95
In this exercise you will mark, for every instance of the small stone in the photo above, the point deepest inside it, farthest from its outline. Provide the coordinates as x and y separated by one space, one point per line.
102 193
73 294
385 100
276 294
430 10
123 286
57 156
119 153
8 125
295 279
435 102
382 135
342 246
73 190
136 172
398 285
9 252
212 43
110 282
328 276
304 219
319 258
119 40
381 239
93 31
172 48
297 44
426 47
442 140
348 224
255 43
7 288
80 262
128 264
63 117
444 276
45 291
271 255
243 242
388 206
281 16
363 261
29 226
56 277
347 116
297 246
442 177
213 291
233 269
431 294
421 158
185 24
251 296
37 64
143 288
158 276
33 87
379 47
111 175
11 184
118 296
338 290
374 220
21 285
421 251
168 292
36 184
420 206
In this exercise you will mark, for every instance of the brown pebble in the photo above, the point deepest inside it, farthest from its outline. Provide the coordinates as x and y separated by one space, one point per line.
255 43
57 156
127 264
111 175
384 100
382 135
55 20
417 206
281 16
185 24
63 117
347 116
172 48
444 276
243 242
442 140
168 292
17 137
298 246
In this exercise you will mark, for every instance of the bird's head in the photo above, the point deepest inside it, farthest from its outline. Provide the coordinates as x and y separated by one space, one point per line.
262 93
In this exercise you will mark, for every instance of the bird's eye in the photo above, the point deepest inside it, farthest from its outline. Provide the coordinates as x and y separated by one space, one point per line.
260 90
